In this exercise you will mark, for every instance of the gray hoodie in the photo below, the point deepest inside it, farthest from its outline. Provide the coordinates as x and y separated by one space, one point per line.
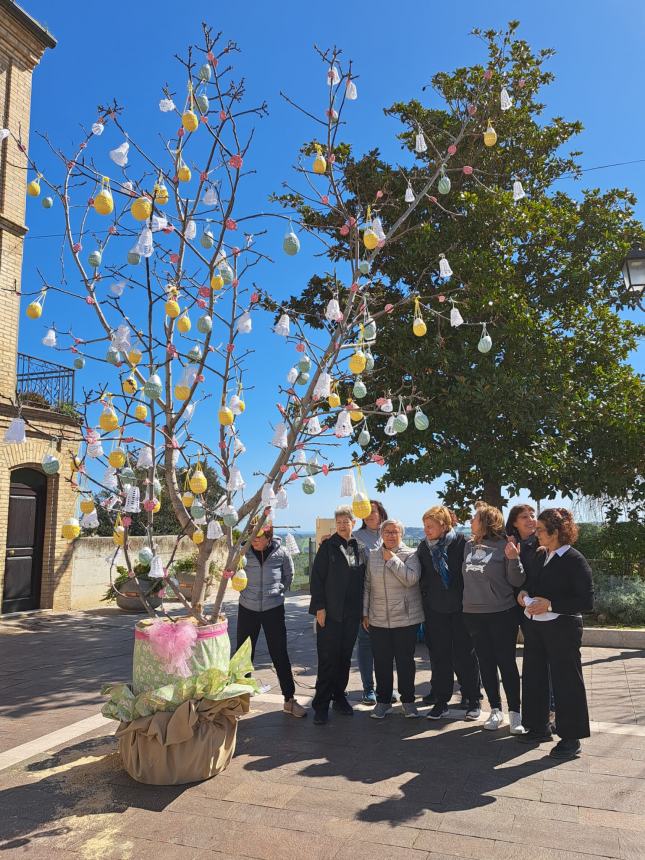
268 580
489 577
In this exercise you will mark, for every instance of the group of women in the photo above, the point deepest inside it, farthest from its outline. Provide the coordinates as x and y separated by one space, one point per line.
471 596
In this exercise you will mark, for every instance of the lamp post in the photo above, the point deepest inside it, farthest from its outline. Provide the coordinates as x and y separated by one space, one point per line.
634 270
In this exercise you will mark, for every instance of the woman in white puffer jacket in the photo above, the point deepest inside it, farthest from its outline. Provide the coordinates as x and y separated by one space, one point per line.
392 612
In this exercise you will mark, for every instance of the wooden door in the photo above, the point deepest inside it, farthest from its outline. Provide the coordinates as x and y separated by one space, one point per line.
25 532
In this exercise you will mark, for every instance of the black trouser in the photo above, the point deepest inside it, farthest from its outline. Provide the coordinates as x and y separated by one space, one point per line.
452 652
554 645
494 636
272 622
394 644
334 643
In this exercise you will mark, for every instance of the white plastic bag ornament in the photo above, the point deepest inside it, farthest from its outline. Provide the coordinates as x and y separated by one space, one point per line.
210 197
322 388
389 428
291 544
343 425
420 144
332 311
300 459
282 326
110 480
166 105
90 521
268 496
50 338
15 432
122 338
144 246
191 230
132 500
518 191
117 289
281 499
485 341
235 480
505 101
120 154
386 406
456 318
333 76
159 222
348 485
144 460
236 405
351 92
245 323
97 129
313 426
293 374
156 568
280 436
377 226
238 447
444 267
409 194
94 448
214 530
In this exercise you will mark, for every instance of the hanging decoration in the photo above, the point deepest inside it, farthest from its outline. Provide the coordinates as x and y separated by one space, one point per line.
419 328
291 544
281 499
505 101
343 425
132 500
214 530
282 326
364 436
421 421
347 485
50 338
333 312
361 505
401 419
444 184
268 496
308 485
319 165
15 433
518 191
409 194
485 341
322 388
280 436
291 243
120 155
490 135
104 202
444 267
420 145
456 318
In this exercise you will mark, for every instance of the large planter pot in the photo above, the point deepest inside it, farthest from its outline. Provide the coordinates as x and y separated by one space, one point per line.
129 601
186 582
179 716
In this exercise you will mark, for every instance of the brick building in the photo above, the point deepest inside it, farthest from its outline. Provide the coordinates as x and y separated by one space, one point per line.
35 562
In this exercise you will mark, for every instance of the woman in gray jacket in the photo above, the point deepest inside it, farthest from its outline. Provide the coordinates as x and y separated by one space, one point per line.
269 570
392 612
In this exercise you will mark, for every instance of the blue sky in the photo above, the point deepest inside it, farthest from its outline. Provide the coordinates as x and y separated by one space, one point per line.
112 51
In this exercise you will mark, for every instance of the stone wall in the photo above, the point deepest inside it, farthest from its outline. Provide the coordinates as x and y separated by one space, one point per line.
91 557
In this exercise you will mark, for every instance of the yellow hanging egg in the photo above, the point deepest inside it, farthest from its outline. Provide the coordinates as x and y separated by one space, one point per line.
183 323
187 499
141 209
370 239
108 420
198 537
157 507
361 506
189 120
141 412
134 356
490 135
117 458
184 173
333 400
225 415
130 385
34 310
182 392
217 281
419 327
75 464
160 194
241 405
239 581
172 309
103 202
356 415
358 362
319 165
198 482
33 189
71 529
118 536
87 506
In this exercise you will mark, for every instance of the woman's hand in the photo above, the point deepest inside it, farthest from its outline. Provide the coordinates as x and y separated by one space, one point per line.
539 605
321 616
512 549
366 623
387 554
520 598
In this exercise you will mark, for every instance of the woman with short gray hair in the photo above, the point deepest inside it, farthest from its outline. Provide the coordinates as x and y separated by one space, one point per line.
392 612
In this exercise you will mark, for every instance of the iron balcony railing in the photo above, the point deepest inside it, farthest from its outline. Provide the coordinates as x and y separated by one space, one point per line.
44 383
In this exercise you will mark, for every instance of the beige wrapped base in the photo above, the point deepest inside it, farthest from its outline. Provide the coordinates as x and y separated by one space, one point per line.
193 743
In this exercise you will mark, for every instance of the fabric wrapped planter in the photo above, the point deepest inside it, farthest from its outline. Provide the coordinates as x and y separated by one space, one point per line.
178 718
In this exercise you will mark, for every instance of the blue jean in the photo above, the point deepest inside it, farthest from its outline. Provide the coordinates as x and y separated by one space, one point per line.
365 659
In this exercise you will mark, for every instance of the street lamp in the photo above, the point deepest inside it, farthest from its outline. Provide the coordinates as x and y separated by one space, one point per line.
634 270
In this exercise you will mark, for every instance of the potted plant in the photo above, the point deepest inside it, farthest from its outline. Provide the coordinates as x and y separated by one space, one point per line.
126 590
184 571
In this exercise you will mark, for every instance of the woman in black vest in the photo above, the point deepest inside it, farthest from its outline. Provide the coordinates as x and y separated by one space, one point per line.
559 589
441 556
337 578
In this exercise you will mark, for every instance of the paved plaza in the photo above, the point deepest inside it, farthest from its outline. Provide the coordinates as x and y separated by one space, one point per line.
355 788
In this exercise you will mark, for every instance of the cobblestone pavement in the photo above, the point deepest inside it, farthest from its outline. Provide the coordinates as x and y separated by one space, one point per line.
354 788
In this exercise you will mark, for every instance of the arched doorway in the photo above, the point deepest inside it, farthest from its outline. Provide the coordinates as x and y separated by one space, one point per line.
25 534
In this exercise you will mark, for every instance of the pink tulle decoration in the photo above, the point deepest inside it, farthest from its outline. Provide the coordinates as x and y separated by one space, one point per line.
172 645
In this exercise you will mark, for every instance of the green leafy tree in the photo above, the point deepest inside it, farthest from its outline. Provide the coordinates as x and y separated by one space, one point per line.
554 406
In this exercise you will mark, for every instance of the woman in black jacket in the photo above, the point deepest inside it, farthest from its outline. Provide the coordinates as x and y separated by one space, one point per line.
441 555
520 524
559 589
337 578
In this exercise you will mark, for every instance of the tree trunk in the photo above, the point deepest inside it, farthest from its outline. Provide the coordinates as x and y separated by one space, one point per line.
492 494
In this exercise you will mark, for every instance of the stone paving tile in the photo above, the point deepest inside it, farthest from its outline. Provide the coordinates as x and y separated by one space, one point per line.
455 845
608 818
374 851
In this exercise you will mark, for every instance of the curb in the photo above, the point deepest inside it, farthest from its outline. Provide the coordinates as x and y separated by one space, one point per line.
612 637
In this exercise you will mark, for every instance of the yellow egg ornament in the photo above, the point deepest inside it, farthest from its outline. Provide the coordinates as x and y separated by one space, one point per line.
217 281
134 356
184 173
490 135
103 202
157 507
370 239
33 189
182 392
419 328
225 416
118 536
183 323
198 537
141 209
358 362
320 164
187 499
239 581
34 310
75 464
333 400
190 120
141 412
108 420
71 529
87 506
130 385
160 193
355 416
172 309
198 482
117 458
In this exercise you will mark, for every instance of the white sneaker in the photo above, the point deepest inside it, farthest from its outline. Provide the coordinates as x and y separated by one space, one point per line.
495 720
515 721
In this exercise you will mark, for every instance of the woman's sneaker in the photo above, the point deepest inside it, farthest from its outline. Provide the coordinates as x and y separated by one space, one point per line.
495 720
380 711
515 723
473 711
294 708
410 710
369 697
438 711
